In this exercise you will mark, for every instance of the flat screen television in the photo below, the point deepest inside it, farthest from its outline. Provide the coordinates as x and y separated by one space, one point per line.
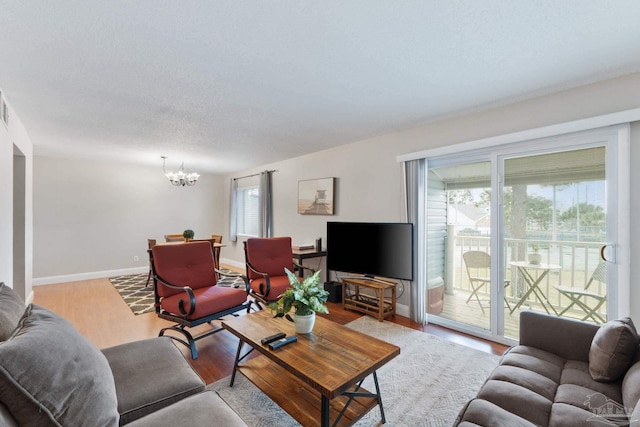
371 248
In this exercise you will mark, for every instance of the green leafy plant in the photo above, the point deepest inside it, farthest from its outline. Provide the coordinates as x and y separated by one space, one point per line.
306 297
188 234
535 248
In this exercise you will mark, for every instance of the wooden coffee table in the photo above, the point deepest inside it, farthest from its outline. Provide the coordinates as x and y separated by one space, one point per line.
317 379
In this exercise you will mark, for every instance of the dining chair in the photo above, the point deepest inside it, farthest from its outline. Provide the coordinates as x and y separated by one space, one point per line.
217 238
583 297
174 237
150 244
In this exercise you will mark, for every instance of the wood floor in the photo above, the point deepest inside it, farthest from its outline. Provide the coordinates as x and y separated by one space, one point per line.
96 309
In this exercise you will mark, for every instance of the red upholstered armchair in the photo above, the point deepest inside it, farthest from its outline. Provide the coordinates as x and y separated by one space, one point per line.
266 259
186 291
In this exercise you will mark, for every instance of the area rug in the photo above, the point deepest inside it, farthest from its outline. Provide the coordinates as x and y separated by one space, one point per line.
139 297
426 385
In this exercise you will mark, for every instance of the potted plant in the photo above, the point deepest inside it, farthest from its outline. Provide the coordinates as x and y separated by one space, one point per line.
307 297
535 257
188 235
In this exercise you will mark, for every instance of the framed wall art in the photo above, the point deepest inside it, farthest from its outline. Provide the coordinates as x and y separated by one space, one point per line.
315 196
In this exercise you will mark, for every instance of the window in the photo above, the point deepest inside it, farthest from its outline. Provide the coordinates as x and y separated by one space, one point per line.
247 212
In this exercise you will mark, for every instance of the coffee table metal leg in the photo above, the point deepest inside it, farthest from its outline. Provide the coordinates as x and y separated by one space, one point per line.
324 412
235 364
238 360
375 381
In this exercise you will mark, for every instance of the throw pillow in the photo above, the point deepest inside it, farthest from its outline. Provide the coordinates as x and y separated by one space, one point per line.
51 375
612 350
11 310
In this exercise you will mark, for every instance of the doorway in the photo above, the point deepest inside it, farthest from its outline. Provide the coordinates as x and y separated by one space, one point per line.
19 225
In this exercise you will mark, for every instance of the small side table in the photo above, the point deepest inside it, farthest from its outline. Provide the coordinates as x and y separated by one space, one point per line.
375 305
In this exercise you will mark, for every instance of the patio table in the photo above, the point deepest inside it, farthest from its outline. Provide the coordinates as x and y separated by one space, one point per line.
532 281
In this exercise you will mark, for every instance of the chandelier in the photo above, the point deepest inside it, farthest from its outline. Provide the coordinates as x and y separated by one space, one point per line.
180 178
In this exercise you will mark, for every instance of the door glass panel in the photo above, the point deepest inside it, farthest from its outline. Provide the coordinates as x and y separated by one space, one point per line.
554 218
459 242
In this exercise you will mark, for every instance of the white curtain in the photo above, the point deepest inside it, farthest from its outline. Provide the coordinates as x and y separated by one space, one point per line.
414 174
265 209
233 211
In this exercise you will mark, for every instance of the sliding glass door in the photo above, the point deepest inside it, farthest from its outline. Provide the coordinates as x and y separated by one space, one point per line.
555 225
526 226
459 241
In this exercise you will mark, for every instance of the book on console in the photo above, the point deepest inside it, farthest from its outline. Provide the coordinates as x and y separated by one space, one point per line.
302 247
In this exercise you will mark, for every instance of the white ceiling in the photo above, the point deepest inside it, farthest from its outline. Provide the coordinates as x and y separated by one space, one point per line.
228 85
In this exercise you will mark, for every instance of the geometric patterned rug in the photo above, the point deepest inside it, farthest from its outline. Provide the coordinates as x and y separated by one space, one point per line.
133 291
426 385
140 298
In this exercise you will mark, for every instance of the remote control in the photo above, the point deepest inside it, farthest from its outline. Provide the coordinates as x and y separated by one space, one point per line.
273 337
283 341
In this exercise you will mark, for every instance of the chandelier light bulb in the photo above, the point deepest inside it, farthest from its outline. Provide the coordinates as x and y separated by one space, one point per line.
180 178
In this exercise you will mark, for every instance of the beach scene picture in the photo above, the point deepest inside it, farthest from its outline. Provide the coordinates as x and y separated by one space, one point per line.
315 196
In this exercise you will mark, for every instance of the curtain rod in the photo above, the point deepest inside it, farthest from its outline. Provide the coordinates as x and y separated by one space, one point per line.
255 174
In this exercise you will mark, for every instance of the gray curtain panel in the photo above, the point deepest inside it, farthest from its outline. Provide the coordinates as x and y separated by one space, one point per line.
414 173
233 214
266 204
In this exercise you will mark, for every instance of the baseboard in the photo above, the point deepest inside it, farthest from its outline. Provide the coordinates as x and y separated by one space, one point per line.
37 281
232 263
402 310
87 276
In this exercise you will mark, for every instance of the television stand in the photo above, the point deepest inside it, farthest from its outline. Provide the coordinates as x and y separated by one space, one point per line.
376 304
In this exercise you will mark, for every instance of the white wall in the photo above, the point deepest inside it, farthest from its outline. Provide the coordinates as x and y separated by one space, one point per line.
370 181
91 218
12 138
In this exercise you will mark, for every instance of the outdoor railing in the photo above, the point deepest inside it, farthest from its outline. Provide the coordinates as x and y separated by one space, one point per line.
577 261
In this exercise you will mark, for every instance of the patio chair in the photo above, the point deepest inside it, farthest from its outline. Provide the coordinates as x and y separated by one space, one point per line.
184 280
266 259
474 261
589 302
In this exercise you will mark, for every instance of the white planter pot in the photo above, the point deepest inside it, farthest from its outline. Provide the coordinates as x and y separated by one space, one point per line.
304 324
535 259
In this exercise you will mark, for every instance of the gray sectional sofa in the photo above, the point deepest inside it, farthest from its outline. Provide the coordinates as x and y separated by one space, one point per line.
563 373
52 376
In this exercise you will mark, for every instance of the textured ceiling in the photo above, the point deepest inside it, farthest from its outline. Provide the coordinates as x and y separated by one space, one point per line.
229 85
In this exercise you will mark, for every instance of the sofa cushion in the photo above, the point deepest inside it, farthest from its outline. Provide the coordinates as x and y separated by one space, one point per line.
11 310
520 401
51 375
202 409
150 374
612 350
482 413
563 415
